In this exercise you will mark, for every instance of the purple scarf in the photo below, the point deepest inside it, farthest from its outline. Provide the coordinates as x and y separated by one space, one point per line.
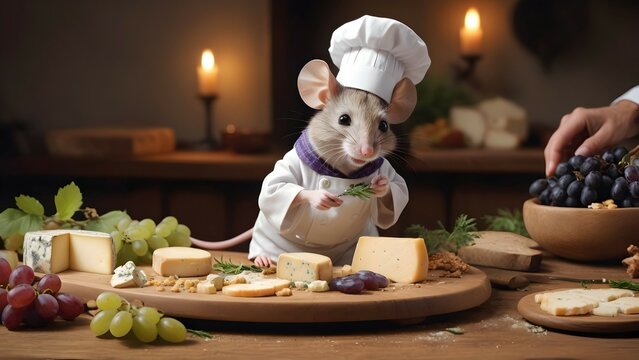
307 154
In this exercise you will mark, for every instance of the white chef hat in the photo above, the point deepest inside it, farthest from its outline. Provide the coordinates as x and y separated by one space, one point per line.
374 54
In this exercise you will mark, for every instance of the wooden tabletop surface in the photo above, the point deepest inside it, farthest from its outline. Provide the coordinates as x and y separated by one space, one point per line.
493 330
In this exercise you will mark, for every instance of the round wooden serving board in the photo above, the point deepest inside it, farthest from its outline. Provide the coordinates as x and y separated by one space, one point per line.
621 323
404 303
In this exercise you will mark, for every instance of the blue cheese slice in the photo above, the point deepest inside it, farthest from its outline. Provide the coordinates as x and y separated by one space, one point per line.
128 275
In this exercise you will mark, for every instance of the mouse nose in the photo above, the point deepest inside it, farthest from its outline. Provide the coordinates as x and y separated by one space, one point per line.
366 150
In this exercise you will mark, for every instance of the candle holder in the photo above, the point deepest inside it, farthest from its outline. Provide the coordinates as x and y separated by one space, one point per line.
209 142
465 72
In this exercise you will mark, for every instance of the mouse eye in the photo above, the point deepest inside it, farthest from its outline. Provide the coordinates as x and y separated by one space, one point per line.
383 126
345 120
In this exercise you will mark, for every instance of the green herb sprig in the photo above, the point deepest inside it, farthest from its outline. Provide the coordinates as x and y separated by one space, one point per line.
361 190
200 333
624 284
464 233
228 267
507 220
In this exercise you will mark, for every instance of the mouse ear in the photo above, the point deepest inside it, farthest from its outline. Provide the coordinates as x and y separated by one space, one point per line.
317 84
402 102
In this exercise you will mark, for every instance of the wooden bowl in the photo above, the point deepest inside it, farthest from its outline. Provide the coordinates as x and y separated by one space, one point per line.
580 233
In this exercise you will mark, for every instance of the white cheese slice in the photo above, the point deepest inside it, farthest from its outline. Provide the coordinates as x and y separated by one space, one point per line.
181 261
53 251
249 290
470 122
627 305
304 266
601 302
606 309
402 260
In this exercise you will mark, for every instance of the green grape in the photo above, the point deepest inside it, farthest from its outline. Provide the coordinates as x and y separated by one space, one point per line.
171 221
157 242
144 330
121 323
126 254
139 247
171 330
108 301
124 223
137 232
102 321
14 242
151 314
183 229
118 237
162 230
148 224
178 239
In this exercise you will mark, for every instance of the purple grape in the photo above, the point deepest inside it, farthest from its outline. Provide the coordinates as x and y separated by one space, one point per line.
368 277
3 298
70 306
544 197
32 319
573 202
608 156
12 317
626 203
49 283
22 274
537 187
347 284
619 190
619 153
631 173
633 187
21 296
565 180
593 179
590 164
563 169
574 189
382 281
5 272
558 196
588 196
46 306
613 171
606 186
576 161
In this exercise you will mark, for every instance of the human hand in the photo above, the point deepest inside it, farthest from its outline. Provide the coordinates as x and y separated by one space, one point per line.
589 131
380 185
320 199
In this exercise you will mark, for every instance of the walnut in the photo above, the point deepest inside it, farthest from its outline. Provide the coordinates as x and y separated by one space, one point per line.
449 262
632 262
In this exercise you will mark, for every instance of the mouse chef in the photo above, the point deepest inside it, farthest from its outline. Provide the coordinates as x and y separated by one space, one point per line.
380 61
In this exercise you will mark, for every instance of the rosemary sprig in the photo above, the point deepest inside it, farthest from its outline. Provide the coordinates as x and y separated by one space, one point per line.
228 267
624 284
440 240
361 190
200 333
507 220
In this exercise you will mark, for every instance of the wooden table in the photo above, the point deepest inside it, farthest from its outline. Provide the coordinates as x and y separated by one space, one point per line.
493 330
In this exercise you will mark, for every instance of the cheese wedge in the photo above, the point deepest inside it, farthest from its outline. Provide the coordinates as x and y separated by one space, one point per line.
53 251
303 266
402 260
181 261
249 290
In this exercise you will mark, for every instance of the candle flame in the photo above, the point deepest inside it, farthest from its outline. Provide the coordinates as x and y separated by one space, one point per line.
208 60
471 21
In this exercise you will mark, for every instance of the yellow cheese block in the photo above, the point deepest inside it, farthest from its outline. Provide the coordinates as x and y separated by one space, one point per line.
304 266
249 290
181 261
402 260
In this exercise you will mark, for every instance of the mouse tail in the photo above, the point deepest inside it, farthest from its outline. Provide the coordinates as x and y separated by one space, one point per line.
225 244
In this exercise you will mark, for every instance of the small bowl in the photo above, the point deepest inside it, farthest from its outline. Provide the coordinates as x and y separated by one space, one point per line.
580 233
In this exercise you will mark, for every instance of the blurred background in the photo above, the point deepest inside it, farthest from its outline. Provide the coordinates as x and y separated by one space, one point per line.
78 64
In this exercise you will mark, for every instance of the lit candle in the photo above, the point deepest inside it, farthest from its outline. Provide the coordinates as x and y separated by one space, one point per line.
471 35
207 74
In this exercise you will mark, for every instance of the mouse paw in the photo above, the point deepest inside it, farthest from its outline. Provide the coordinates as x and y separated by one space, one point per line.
380 185
263 261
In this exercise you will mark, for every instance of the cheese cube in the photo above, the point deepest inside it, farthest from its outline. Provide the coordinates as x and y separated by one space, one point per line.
318 286
402 260
11 257
304 266
206 288
128 275
181 261
53 251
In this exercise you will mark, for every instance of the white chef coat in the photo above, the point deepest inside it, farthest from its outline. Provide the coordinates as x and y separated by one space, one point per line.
632 95
281 227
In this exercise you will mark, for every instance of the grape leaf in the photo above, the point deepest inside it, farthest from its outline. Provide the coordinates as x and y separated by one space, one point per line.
107 222
7 218
26 223
30 205
67 201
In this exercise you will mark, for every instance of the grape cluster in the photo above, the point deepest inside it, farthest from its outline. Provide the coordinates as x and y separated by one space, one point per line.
358 282
135 240
581 181
118 317
34 302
